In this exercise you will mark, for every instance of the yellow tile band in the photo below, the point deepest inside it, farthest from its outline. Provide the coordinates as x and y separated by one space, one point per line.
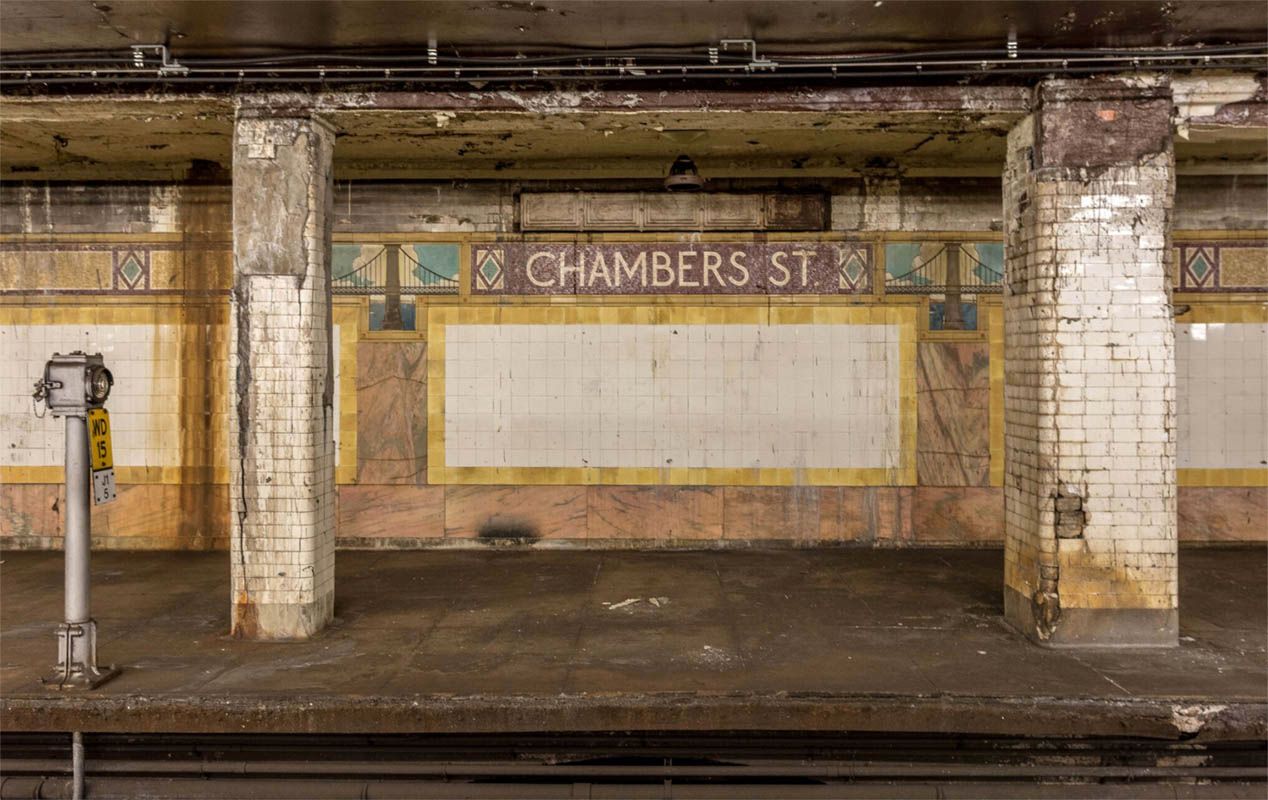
1203 311
1223 478
995 336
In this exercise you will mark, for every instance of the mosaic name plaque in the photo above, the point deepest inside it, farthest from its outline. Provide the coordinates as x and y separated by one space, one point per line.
671 268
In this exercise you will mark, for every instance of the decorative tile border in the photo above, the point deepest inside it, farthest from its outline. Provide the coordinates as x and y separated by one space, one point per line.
1221 266
131 271
111 266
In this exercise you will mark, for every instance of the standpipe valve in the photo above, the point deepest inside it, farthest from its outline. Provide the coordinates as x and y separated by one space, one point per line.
76 386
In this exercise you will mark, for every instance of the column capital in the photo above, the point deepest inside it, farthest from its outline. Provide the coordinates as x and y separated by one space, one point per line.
1101 123
1144 87
278 106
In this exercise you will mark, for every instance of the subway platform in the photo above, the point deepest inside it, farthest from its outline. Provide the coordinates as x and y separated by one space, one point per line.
498 641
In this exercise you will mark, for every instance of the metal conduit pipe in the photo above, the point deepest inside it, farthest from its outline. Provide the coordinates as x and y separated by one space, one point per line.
636 51
698 55
9 83
336 68
339 64
77 764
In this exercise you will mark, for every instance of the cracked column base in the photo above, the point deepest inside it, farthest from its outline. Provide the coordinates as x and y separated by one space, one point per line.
1095 627
274 621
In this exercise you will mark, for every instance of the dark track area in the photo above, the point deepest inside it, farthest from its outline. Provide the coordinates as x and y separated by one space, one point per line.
734 764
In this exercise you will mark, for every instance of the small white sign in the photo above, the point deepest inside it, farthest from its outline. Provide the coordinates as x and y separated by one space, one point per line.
103 490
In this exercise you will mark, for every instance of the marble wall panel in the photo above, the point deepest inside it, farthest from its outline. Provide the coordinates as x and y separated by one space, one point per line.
655 512
772 512
30 511
865 514
391 412
953 416
391 512
958 515
143 517
171 517
516 512
165 517
1223 515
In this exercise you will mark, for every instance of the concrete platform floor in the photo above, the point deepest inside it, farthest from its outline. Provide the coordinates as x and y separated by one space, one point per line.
840 639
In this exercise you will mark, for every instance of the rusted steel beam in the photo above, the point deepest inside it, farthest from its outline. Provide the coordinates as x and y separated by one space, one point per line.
986 99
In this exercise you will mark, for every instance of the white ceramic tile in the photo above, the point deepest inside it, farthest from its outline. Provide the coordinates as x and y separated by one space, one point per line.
785 396
144 426
1222 407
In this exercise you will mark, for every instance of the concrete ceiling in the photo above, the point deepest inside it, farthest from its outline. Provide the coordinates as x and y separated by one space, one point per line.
236 27
487 132
159 142
96 139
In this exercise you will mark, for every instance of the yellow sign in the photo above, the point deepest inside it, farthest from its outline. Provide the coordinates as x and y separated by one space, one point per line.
99 439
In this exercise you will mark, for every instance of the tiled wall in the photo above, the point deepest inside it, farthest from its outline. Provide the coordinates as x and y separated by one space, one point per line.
946 492
1222 395
684 396
144 404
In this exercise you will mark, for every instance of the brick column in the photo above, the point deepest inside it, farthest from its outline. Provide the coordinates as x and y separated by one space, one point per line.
1089 408
282 490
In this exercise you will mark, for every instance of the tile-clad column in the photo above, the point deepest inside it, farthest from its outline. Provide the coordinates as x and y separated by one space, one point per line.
281 447
1090 485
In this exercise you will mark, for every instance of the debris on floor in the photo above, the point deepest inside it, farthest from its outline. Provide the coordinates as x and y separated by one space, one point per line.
629 603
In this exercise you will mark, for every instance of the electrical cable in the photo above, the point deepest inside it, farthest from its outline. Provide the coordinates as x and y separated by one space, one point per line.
624 65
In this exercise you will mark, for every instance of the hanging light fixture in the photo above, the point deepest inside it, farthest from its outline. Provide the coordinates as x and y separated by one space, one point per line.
683 176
